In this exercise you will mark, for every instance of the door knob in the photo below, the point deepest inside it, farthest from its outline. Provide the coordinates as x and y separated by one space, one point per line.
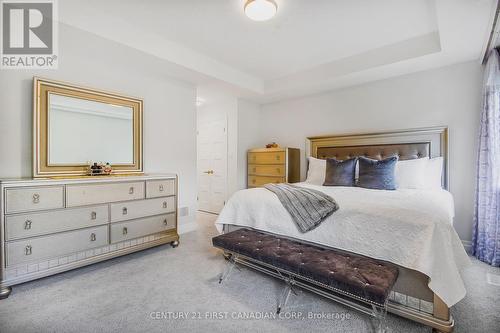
208 171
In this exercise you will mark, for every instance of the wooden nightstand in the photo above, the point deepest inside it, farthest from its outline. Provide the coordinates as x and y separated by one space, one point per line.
273 165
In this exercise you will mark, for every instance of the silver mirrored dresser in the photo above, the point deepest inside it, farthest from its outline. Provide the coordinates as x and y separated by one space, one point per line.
53 225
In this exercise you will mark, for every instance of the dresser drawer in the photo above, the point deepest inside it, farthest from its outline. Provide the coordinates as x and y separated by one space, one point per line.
160 188
36 224
81 195
141 208
45 247
276 157
267 170
33 198
254 181
141 227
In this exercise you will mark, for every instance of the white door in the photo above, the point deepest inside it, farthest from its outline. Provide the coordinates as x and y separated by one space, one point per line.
212 166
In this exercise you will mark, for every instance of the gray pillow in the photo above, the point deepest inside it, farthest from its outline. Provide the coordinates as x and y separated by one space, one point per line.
377 174
340 173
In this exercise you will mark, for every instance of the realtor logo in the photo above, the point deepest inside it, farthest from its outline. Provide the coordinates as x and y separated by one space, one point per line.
28 35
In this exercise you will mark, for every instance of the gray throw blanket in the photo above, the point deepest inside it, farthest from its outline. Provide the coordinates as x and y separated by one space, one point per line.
307 207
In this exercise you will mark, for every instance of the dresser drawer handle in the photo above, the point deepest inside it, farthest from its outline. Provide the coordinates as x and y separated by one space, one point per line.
93 215
254 169
131 190
36 198
125 230
28 250
92 237
27 224
254 181
278 157
278 170
165 222
160 188
165 204
124 210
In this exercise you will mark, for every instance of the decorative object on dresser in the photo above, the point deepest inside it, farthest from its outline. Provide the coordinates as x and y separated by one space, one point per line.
273 165
53 225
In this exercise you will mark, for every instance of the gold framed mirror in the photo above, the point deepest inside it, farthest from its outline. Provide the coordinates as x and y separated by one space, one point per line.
74 126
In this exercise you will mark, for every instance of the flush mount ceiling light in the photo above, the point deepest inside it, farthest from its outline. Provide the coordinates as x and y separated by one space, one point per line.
260 10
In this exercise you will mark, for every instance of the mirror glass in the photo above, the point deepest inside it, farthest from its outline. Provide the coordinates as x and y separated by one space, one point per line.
81 131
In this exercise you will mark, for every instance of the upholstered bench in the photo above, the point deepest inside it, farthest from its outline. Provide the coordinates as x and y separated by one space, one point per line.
353 280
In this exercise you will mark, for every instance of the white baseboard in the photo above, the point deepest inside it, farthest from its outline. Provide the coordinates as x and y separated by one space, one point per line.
185 227
467 245
186 223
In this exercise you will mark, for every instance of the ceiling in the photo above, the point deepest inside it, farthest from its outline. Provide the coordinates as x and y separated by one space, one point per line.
310 46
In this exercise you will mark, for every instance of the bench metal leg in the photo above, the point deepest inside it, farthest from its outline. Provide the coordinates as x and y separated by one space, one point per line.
380 314
285 295
230 265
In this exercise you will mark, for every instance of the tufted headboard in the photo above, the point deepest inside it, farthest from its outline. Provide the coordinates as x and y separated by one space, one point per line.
407 144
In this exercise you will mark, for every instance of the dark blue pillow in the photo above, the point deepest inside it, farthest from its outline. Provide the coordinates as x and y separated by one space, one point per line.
340 173
377 174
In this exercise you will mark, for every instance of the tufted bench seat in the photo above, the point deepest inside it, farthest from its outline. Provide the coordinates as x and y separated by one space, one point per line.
361 278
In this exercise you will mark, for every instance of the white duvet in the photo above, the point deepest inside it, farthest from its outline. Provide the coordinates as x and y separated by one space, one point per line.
411 228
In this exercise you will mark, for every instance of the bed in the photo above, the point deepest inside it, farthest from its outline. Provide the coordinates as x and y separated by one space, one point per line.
410 228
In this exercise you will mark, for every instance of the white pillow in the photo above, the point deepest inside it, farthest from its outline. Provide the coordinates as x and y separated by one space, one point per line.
434 173
421 173
411 173
316 171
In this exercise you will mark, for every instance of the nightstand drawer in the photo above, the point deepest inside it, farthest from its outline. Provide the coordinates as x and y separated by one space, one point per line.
276 157
33 198
267 170
141 227
254 181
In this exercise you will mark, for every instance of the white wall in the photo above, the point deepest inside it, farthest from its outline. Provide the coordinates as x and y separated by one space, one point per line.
89 60
249 124
447 96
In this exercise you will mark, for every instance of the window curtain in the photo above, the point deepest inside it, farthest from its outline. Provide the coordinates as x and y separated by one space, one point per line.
486 233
